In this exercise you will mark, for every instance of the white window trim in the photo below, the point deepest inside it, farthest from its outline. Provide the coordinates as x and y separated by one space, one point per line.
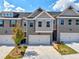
44 31
11 18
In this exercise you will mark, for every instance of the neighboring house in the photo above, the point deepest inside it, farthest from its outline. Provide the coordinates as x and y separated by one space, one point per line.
42 27
68 25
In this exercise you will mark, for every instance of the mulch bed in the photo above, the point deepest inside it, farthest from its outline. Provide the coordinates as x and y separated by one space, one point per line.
16 53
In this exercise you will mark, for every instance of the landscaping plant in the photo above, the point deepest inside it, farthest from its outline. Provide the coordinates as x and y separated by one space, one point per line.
18 34
19 50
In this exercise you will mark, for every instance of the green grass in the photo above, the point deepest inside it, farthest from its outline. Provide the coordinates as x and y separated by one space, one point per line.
65 50
9 56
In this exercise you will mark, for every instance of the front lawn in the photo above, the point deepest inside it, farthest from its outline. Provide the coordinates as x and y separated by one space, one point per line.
16 53
64 49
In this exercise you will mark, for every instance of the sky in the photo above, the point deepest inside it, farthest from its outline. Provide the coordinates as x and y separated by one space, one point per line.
31 5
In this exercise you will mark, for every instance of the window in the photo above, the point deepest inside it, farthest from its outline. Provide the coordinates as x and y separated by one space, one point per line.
62 22
54 21
12 23
7 14
77 22
39 24
69 21
31 24
1 23
48 24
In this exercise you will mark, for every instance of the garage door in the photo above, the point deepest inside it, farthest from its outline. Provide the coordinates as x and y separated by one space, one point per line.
6 39
39 39
69 37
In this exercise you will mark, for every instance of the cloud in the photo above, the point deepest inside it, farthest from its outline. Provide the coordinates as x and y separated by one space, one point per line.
18 9
7 6
77 6
62 4
51 5
11 7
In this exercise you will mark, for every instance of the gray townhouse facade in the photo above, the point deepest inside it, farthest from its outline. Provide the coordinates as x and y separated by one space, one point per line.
42 27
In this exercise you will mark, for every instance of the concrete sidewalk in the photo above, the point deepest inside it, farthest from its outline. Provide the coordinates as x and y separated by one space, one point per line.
72 56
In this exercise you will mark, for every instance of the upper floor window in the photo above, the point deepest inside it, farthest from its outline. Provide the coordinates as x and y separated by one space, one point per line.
7 14
70 22
12 23
1 23
48 24
39 24
31 24
77 22
62 22
54 21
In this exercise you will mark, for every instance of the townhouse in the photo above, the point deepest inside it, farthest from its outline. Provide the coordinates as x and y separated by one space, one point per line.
40 26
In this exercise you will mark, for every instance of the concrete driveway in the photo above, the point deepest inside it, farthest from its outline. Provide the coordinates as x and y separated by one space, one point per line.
5 50
74 46
41 52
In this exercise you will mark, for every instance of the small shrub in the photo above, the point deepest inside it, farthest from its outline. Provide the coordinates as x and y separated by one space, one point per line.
25 46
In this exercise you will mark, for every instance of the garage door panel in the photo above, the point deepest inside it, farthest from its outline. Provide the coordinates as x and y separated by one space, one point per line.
69 37
6 39
39 39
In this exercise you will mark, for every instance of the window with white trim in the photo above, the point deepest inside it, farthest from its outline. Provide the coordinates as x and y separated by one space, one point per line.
7 14
12 23
1 23
40 24
31 24
70 22
62 21
77 22
48 24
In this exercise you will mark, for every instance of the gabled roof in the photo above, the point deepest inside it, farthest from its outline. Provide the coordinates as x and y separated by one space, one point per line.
39 10
41 15
69 12
24 14
30 15
35 13
54 14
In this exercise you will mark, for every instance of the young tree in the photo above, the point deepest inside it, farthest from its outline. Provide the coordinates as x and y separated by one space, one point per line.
18 34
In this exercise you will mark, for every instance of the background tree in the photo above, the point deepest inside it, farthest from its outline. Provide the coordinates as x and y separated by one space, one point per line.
18 34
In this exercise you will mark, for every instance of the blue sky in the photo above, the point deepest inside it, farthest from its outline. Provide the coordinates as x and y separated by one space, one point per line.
31 5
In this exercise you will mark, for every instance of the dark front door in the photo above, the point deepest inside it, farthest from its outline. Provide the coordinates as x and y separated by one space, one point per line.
54 35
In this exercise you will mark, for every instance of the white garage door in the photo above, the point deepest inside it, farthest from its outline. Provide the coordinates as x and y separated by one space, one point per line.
6 39
39 39
69 37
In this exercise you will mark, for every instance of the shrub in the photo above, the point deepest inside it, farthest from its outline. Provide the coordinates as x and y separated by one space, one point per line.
25 46
18 35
